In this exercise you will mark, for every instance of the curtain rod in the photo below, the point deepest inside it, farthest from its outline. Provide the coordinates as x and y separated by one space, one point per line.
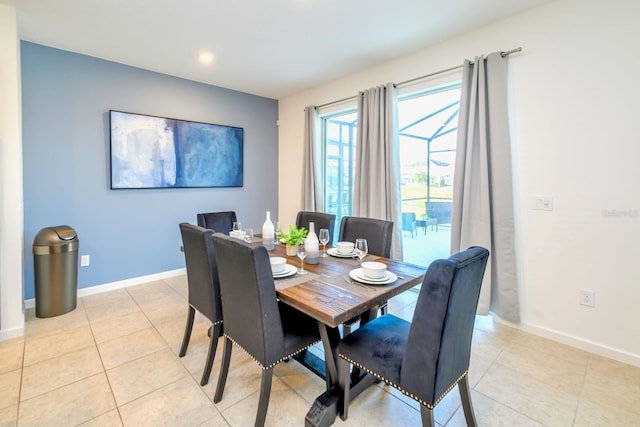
446 70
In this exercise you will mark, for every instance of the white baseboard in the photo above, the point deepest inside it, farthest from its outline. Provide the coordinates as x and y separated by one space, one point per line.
83 292
577 342
583 344
7 334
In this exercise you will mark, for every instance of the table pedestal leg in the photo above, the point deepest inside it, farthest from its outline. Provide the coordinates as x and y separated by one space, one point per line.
324 410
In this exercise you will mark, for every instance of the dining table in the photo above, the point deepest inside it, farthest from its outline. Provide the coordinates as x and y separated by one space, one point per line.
332 294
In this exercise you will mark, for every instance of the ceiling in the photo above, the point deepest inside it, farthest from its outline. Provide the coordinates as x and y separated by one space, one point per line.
271 48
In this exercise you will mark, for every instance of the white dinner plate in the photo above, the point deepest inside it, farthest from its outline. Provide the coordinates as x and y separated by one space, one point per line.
358 275
334 252
289 270
363 276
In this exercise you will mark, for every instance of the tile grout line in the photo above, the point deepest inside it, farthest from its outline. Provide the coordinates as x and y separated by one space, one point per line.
104 369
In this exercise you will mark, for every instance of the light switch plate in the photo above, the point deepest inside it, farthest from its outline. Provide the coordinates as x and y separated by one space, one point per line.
543 203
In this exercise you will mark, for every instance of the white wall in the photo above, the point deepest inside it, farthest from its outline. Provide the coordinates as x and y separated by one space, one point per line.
574 91
11 225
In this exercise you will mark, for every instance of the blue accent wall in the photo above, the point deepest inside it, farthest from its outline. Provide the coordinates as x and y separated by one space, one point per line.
66 98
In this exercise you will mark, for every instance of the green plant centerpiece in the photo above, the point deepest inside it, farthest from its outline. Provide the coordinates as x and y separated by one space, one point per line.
293 238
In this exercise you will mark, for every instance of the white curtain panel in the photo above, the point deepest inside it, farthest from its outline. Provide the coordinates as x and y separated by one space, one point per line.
377 173
312 178
483 192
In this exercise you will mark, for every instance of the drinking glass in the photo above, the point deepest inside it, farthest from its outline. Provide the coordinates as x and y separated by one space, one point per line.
237 226
302 253
248 235
324 239
361 249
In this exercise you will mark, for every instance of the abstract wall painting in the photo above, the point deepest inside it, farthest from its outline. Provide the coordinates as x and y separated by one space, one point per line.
157 152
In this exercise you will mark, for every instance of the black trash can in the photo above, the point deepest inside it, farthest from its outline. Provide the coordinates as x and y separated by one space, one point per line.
55 256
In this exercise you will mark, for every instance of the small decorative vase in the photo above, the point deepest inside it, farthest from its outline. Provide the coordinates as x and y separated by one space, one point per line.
312 246
268 233
292 250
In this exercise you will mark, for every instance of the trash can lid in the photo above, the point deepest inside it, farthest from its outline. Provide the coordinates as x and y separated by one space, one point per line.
64 232
61 234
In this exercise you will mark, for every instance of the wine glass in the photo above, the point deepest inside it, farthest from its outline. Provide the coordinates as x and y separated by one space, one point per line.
276 231
324 239
361 249
248 235
302 253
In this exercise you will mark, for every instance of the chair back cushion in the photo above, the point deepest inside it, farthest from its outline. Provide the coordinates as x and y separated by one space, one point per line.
440 210
321 220
202 271
439 343
378 233
249 302
220 222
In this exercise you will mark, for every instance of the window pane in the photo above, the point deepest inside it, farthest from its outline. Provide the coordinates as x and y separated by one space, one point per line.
339 133
428 132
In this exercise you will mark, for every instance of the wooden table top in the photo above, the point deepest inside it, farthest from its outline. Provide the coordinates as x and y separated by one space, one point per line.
329 295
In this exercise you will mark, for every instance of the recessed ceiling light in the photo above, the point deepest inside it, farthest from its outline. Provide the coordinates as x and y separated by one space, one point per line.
205 57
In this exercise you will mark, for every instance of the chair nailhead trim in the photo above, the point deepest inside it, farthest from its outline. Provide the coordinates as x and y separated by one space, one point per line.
214 323
406 393
274 363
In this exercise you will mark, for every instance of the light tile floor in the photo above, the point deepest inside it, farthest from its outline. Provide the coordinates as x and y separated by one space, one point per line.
113 361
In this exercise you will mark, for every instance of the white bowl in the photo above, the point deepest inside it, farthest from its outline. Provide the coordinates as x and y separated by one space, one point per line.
277 264
374 270
344 248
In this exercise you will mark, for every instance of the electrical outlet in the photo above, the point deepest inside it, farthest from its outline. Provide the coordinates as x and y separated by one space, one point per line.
587 297
84 260
543 203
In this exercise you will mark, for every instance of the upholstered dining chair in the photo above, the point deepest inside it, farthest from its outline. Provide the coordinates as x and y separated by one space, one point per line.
221 222
320 219
428 357
269 331
378 233
204 288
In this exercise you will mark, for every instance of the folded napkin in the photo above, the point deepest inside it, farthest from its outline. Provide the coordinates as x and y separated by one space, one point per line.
237 234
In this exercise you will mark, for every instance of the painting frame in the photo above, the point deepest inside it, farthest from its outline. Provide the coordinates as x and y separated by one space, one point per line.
150 152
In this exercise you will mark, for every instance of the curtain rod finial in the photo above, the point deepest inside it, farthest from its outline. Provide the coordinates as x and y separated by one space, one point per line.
509 52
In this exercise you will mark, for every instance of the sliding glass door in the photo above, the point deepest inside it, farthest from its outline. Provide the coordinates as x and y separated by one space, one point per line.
428 132
339 134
